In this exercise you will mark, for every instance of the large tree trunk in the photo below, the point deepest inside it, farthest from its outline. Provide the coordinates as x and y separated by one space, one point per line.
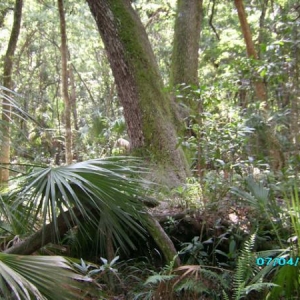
184 68
147 109
64 75
7 82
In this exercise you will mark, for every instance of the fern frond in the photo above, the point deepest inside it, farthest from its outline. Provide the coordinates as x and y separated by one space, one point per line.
192 286
225 296
158 278
245 268
258 287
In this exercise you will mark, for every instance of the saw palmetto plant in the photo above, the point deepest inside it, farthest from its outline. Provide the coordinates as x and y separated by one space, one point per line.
49 201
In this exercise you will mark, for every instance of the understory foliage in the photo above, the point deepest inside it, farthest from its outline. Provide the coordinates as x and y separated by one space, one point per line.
99 195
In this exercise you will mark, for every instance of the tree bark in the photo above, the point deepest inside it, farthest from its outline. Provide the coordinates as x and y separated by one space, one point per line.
184 67
261 34
73 98
147 109
294 103
260 88
64 75
163 241
7 82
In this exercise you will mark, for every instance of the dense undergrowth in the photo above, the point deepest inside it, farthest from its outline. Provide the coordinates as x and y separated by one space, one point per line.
247 250
234 223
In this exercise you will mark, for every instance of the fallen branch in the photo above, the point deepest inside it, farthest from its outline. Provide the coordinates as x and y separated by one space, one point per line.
46 234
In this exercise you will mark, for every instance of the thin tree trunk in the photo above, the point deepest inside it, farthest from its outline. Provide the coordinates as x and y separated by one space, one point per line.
162 240
85 85
260 88
276 156
147 109
7 82
261 34
64 75
184 66
73 98
295 74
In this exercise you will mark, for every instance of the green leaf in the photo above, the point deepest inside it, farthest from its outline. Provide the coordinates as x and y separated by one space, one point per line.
41 277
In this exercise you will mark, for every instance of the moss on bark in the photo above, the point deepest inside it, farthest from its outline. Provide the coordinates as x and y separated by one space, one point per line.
147 108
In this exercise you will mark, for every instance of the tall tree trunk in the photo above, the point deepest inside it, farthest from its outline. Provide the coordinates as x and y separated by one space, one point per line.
147 109
266 135
73 98
64 75
184 67
260 88
295 74
7 82
262 18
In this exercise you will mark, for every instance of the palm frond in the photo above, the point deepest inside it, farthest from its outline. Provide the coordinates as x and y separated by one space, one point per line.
103 190
16 110
257 196
12 216
198 279
41 277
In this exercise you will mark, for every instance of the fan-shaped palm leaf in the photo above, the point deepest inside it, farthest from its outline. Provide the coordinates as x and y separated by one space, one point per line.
103 190
11 217
16 109
38 277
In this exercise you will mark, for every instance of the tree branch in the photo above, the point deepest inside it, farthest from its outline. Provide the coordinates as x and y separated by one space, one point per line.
211 20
